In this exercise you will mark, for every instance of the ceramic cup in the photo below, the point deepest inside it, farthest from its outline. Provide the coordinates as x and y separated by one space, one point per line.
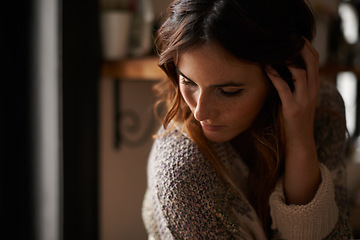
115 27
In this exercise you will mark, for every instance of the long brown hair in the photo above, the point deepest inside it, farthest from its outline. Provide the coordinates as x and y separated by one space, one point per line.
261 31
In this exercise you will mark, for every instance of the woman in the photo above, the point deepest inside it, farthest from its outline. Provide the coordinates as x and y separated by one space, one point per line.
250 148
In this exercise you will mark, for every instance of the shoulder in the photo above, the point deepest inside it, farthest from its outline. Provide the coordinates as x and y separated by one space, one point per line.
330 126
177 167
329 98
176 148
175 157
192 198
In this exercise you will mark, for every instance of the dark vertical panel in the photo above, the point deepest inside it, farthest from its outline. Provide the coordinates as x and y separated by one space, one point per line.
81 68
357 124
15 152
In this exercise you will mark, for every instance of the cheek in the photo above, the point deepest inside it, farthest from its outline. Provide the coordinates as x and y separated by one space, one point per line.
188 96
255 107
247 110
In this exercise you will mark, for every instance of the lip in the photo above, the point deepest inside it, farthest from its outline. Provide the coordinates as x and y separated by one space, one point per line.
211 127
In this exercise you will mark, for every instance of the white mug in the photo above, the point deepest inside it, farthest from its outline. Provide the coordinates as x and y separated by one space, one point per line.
115 27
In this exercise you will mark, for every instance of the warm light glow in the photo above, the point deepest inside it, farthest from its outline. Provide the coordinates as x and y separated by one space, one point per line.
350 22
347 86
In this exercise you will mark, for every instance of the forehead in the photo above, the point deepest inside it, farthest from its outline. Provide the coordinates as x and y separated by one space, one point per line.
212 62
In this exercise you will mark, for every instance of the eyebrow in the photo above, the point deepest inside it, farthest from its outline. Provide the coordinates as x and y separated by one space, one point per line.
228 84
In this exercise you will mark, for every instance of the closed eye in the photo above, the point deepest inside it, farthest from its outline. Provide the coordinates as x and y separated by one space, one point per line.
231 92
186 82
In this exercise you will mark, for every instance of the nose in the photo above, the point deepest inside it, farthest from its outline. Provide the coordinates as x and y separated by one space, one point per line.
203 107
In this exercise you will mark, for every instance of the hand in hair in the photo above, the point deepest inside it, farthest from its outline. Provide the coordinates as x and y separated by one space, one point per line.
302 174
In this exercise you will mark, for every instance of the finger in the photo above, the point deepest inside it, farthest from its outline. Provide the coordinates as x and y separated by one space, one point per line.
311 59
311 47
280 85
299 79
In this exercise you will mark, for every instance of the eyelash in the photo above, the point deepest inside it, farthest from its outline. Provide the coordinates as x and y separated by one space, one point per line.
231 94
222 92
187 82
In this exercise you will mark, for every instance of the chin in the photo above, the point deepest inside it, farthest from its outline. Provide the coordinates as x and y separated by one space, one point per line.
219 138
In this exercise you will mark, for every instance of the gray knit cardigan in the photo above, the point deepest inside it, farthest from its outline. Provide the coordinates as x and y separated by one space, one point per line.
187 199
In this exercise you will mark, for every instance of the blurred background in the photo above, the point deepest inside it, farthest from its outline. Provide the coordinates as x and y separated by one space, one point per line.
77 112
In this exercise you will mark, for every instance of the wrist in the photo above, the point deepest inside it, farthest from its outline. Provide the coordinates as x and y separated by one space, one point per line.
302 176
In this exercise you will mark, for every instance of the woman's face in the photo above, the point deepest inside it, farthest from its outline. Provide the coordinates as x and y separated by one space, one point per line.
224 93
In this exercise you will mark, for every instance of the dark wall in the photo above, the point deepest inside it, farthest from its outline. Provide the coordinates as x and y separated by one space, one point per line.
81 65
15 150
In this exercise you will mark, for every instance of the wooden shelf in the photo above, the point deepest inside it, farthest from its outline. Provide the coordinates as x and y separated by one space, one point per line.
133 69
147 69
331 70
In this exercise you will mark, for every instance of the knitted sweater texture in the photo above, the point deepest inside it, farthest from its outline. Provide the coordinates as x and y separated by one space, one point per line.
186 198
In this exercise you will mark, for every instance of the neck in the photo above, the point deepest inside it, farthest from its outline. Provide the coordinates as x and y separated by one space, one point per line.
244 145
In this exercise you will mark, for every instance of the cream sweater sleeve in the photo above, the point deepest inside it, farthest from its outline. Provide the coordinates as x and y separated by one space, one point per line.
314 220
